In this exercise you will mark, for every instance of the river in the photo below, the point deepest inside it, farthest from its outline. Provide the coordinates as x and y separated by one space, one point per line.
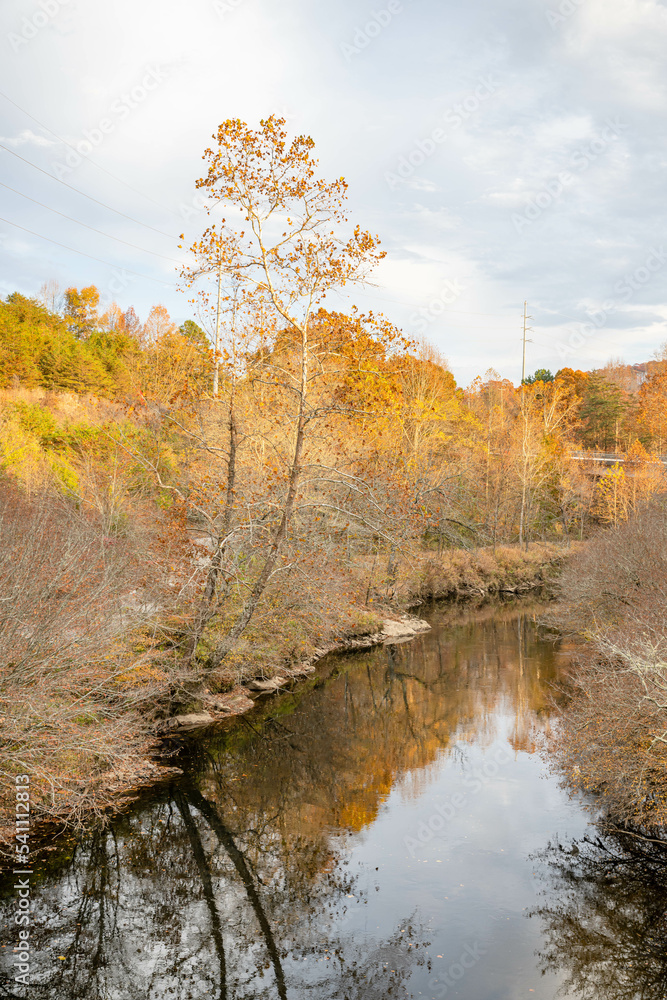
389 829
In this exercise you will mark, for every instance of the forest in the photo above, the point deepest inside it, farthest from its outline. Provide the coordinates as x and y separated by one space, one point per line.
482 465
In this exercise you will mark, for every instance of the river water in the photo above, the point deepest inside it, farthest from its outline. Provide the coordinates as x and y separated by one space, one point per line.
390 828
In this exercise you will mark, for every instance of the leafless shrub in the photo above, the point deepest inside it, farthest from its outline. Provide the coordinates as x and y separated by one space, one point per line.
64 615
619 578
613 739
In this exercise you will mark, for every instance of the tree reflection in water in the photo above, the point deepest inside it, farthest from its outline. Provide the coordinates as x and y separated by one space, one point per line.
171 906
235 881
605 924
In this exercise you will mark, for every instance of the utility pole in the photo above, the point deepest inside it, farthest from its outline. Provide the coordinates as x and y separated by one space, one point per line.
526 328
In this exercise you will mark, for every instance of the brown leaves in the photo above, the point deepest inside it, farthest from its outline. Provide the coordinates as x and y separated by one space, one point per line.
272 182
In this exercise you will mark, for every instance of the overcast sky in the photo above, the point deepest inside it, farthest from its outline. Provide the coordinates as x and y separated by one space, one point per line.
504 151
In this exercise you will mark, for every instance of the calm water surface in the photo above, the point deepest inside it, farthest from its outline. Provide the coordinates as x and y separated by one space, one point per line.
389 829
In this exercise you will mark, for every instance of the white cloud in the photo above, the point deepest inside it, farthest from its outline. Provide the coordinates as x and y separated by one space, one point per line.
451 218
27 138
421 184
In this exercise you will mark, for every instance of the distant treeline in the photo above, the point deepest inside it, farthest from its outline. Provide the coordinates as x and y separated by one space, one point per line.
75 348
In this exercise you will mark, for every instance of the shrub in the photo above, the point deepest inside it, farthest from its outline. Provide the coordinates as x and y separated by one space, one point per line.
613 738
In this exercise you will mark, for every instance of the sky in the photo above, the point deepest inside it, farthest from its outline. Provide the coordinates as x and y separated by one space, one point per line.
504 151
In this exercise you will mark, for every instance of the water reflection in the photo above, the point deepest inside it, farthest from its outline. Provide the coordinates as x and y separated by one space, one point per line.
605 916
172 903
277 867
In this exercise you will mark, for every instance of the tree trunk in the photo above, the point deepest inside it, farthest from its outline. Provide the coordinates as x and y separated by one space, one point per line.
207 610
212 817
204 870
227 644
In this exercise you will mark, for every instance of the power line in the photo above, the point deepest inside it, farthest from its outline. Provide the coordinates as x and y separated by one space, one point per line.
90 197
90 256
88 159
550 347
460 326
461 312
86 226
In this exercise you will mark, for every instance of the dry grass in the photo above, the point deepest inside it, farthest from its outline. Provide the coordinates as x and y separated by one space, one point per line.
457 572
320 603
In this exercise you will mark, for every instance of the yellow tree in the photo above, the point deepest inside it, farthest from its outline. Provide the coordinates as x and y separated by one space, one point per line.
428 388
530 461
623 490
645 476
81 310
284 247
559 491
158 326
493 401
611 497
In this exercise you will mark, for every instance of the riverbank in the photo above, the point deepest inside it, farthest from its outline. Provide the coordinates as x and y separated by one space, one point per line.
612 741
282 646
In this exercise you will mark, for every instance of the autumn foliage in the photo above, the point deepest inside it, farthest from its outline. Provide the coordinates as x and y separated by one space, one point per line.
274 469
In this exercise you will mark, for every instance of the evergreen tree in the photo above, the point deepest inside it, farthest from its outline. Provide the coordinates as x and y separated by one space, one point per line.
601 413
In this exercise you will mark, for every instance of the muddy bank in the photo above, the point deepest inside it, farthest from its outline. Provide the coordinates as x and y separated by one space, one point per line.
240 700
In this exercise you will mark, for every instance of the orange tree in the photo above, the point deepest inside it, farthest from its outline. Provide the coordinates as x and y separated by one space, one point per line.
283 247
653 405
